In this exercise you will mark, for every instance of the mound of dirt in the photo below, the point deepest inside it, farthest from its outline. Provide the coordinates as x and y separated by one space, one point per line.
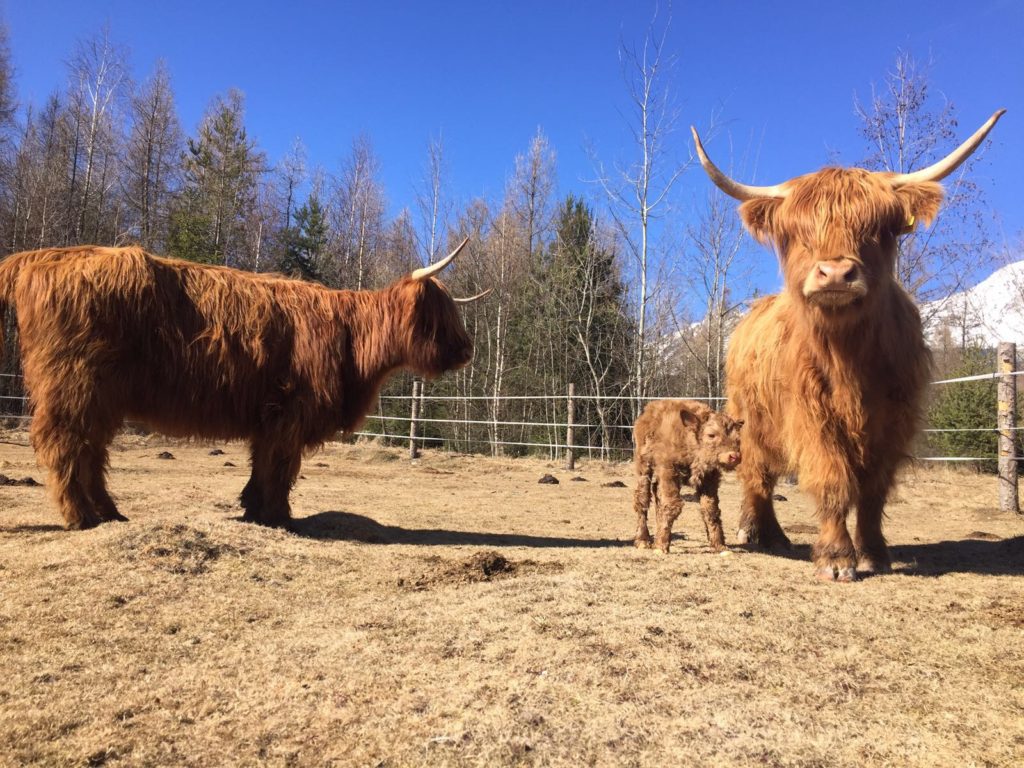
29 481
548 480
483 566
173 548
614 484
165 455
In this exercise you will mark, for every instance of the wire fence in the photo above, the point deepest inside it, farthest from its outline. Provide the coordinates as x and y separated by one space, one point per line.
464 432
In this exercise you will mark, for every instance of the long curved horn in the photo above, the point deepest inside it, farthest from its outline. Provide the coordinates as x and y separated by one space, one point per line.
727 185
950 162
471 299
424 272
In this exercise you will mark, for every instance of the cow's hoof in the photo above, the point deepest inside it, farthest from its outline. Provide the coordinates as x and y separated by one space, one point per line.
835 573
642 543
767 541
870 567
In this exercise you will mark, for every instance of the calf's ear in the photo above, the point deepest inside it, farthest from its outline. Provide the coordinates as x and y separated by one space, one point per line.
921 202
689 418
759 217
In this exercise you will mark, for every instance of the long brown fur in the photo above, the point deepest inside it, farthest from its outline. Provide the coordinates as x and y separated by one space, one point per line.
831 392
109 334
676 441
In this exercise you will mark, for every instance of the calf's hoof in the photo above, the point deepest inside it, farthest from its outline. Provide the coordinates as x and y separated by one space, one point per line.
837 573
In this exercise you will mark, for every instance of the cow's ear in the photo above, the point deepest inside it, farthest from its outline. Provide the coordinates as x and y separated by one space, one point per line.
921 202
759 217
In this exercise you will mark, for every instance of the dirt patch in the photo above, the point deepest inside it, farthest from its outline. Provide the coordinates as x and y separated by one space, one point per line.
479 567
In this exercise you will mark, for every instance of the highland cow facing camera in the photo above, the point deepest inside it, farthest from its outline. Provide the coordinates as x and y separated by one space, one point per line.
829 374
109 334
679 441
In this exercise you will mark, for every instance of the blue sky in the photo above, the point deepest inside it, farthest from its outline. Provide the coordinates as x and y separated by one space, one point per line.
486 75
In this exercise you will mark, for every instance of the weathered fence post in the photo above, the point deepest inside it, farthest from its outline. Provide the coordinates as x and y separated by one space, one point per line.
570 414
1005 422
413 415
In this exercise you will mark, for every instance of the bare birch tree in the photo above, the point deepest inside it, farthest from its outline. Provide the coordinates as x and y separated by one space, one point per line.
152 157
908 125
357 213
638 190
99 74
433 200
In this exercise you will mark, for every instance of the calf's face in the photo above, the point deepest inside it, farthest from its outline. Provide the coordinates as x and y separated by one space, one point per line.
718 438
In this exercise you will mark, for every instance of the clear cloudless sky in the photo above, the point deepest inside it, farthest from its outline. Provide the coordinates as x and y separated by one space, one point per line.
486 75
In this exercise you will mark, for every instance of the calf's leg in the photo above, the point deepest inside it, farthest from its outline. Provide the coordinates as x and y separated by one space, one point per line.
670 504
641 503
707 492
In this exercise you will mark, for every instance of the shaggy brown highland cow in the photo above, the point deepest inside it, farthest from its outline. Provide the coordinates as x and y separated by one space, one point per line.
829 374
109 334
679 441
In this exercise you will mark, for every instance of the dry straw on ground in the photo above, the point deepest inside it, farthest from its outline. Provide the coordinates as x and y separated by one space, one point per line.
456 612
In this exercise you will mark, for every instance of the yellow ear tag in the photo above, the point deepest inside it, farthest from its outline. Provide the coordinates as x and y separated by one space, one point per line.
910 220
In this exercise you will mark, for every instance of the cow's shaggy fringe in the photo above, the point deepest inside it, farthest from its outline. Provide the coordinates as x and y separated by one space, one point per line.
109 334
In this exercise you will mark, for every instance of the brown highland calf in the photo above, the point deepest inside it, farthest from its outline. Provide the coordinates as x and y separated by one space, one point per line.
678 441
109 334
829 374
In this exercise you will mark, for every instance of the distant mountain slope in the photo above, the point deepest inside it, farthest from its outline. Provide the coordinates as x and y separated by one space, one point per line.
990 312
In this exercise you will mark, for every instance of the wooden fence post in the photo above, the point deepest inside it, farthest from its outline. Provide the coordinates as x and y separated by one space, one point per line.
413 415
1005 422
570 413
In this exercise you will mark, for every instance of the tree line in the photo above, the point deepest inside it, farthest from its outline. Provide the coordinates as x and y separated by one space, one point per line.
593 288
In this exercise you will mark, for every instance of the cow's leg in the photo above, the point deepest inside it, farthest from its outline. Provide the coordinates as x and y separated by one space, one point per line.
105 506
274 470
759 527
670 504
835 558
251 497
872 551
641 504
707 492
66 453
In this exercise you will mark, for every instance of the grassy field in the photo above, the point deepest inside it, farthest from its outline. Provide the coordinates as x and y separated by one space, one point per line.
456 612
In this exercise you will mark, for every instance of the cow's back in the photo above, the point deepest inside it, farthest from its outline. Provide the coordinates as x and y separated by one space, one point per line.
188 348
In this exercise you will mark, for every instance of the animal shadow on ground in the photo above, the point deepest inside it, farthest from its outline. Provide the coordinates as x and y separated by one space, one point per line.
985 557
31 528
347 526
1003 557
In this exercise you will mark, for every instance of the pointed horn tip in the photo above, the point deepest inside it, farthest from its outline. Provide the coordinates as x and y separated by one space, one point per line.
471 299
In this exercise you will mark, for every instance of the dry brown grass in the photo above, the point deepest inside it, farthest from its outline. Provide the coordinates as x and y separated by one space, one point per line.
455 612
